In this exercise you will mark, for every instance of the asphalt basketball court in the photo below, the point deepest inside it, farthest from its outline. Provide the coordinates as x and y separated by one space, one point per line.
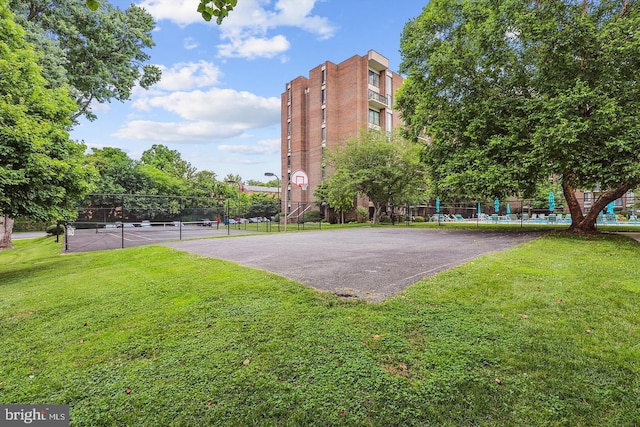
367 263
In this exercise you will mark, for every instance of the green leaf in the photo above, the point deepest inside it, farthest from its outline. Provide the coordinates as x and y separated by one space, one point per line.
93 4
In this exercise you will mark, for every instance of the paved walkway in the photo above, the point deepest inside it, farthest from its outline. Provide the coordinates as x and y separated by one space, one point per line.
369 263
635 236
27 235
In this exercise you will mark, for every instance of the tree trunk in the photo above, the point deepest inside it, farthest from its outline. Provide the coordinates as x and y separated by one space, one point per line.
581 223
377 209
6 228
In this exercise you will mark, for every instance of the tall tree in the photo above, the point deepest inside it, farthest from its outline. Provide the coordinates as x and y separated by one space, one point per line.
167 160
385 168
338 192
117 172
100 54
41 173
513 92
205 184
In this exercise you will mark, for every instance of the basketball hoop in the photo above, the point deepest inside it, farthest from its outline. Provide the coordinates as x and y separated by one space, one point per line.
300 179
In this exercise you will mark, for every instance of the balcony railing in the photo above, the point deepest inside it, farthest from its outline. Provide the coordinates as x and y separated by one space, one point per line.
379 98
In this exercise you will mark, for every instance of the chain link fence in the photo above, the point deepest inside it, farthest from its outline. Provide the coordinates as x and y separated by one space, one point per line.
112 221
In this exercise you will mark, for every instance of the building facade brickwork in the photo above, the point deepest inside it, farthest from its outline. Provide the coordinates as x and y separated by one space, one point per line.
333 104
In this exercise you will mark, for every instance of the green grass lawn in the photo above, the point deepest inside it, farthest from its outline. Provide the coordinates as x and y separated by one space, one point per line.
546 333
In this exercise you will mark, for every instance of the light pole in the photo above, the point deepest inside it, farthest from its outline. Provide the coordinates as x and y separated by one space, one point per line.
237 203
279 185
278 178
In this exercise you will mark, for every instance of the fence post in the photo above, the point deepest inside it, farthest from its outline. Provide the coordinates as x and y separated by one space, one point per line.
180 215
122 224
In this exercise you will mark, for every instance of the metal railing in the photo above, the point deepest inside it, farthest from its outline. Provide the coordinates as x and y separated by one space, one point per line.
383 99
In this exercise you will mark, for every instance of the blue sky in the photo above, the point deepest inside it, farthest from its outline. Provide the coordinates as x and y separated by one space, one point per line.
218 103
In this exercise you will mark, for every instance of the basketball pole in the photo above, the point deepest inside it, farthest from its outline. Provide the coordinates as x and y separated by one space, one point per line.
286 192
299 174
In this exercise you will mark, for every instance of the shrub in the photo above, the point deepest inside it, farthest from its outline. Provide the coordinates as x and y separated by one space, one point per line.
362 214
54 229
25 224
311 216
385 219
418 219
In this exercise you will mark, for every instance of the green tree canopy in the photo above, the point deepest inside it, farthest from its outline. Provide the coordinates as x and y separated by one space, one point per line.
511 93
117 172
170 161
100 54
339 192
385 168
41 173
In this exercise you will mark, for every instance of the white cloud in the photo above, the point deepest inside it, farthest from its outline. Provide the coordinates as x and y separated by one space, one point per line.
265 146
188 75
252 20
208 116
190 43
177 131
247 27
253 47
296 13
221 106
182 12
100 107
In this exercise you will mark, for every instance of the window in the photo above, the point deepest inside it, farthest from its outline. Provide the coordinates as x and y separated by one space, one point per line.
289 111
289 94
631 198
323 96
374 78
323 76
389 89
288 128
388 123
374 117
324 134
324 116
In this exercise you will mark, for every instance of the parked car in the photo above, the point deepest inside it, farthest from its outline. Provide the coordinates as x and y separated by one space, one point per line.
230 221
120 224
205 222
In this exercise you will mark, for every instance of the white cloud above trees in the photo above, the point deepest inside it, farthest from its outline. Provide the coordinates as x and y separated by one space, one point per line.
251 30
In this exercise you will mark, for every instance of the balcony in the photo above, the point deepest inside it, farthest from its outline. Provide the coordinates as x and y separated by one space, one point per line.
377 100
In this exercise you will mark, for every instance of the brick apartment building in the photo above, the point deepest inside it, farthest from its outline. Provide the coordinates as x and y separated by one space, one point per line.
331 105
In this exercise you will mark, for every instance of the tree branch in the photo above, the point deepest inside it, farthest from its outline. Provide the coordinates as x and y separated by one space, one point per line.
83 109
